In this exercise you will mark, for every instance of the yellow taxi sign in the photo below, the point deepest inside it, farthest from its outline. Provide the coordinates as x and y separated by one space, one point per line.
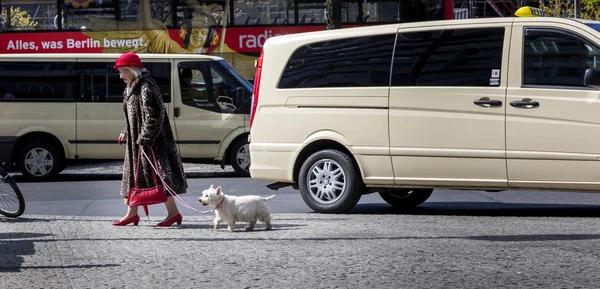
527 11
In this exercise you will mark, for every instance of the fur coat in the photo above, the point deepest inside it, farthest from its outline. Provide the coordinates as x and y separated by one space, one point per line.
147 125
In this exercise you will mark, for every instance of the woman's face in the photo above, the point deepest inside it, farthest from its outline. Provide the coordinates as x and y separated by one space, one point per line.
126 75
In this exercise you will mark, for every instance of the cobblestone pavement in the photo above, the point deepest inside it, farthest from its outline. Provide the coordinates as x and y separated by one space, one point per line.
303 251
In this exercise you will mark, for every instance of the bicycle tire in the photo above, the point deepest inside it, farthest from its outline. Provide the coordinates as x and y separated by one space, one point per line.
7 179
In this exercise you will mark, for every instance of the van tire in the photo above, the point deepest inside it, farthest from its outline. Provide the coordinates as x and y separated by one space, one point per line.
31 153
345 198
406 198
240 146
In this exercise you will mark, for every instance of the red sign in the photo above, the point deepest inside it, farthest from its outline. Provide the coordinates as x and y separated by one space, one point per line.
48 42
252 39
239 39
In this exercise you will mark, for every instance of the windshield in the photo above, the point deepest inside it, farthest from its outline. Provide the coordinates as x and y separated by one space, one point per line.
233 72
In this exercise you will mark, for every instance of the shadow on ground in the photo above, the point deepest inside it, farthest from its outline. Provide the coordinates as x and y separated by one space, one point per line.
484 209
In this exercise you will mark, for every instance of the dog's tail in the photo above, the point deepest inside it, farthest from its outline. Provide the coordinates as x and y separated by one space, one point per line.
268 198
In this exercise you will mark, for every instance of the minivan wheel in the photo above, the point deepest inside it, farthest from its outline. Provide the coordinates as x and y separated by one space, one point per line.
240 157
329 182
39 161
406 198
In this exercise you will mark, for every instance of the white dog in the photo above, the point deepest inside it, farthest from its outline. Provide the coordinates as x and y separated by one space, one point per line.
232 208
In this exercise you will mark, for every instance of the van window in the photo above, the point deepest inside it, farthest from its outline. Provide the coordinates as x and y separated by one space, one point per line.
461 57
211 86
360 61
101 83
38 81
556 58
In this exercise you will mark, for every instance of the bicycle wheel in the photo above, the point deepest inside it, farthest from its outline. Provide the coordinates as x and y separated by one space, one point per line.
12 203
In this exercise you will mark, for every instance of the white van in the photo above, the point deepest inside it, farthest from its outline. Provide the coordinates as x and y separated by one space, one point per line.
59 107
401 109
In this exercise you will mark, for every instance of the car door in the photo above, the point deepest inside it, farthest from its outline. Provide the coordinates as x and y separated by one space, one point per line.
206 109
553 120
447 105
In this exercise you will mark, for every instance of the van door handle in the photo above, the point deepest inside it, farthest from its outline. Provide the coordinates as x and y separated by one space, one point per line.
176 112
484 102
525 104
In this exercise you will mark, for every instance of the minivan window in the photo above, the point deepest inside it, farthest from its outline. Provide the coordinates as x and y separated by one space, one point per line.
160 72
555 58
209 85
462 57
361 61
101 82
38 81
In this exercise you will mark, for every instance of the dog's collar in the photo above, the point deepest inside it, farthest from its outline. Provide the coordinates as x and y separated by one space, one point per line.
223 199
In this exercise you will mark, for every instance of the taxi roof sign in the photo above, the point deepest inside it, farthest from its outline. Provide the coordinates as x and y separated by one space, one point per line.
527 11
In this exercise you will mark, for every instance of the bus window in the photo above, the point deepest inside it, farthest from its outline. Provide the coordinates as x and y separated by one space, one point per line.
160 10
350 12
387 11
194 14
75 14
33 16
271 12
311 12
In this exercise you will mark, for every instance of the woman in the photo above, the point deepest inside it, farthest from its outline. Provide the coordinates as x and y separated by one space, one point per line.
147 126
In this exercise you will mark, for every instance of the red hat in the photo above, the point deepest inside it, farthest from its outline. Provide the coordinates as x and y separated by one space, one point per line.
128 59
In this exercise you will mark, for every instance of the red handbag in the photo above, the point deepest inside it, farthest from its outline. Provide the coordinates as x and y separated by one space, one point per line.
146 196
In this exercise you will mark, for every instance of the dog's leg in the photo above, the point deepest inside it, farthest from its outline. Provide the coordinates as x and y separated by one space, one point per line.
266 218
231 226
251 224
217 222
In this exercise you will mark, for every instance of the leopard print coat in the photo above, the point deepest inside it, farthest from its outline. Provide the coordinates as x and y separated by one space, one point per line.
147 125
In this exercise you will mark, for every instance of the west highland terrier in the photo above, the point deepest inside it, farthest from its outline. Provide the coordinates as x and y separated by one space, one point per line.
233 208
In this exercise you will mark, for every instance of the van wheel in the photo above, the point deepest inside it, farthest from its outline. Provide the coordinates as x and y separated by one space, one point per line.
240 157
406 198
39 161
330 182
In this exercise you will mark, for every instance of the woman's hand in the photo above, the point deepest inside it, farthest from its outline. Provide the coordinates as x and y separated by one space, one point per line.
121 138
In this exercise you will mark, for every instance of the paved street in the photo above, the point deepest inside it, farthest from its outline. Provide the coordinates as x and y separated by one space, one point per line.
457 239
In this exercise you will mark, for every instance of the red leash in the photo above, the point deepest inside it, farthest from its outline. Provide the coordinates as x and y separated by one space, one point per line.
175 195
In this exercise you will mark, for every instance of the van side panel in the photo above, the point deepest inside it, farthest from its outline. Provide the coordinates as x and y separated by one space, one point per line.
20 118
292 127
439 134
554 145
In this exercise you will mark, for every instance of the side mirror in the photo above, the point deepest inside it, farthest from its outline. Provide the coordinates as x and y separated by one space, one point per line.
592 78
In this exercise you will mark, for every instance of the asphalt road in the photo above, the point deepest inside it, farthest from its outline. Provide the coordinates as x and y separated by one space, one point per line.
97 195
